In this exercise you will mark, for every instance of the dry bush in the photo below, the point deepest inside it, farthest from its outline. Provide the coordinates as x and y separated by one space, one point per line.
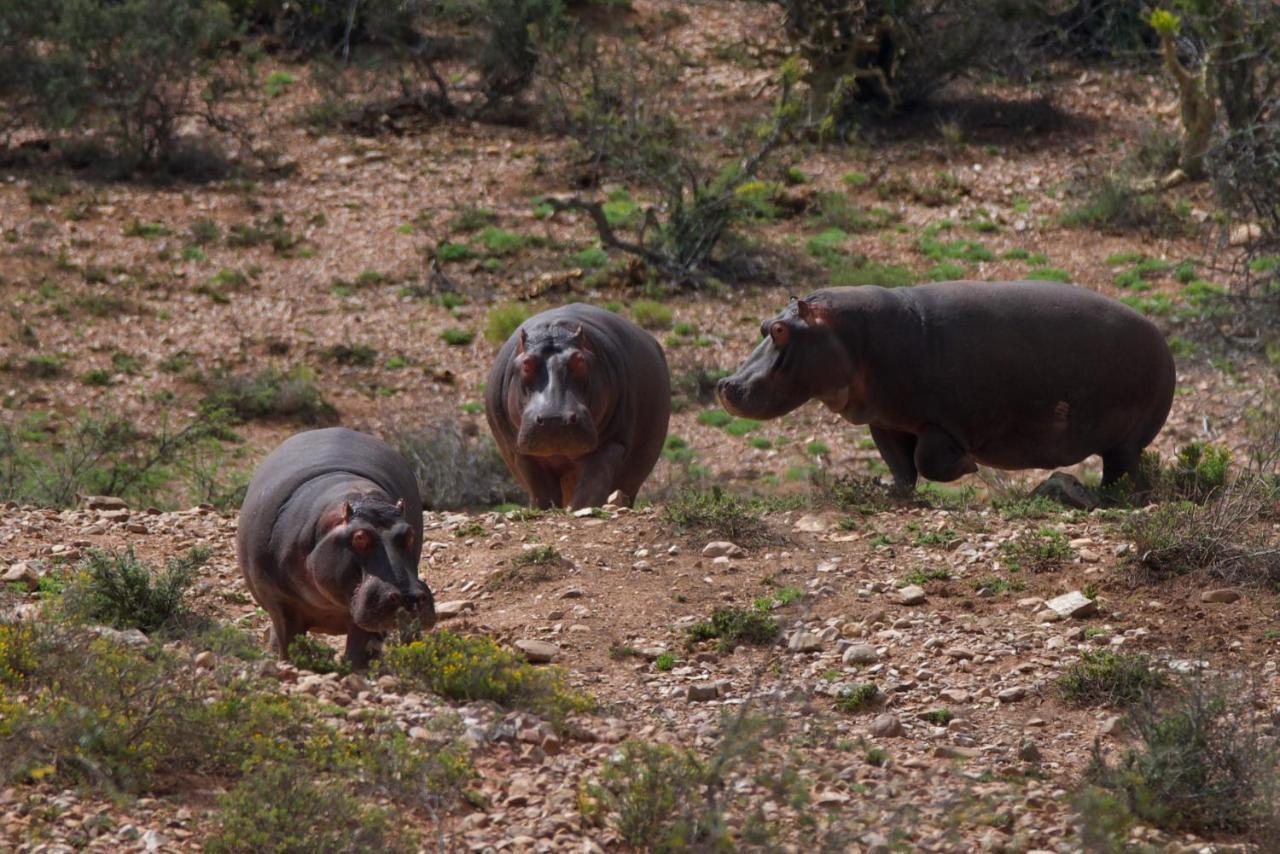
457 471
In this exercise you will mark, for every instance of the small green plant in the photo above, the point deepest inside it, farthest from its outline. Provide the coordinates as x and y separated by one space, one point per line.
276 808
716 513
664 662
277 82
742 426
470 667
648 792
499 241
652 315
457 337
922 576
1037 551
145 230
730 627
1105 678
852 699
309 653
117 589
502 321
1049 274
270 393
715 418
538 556
939 717
469 219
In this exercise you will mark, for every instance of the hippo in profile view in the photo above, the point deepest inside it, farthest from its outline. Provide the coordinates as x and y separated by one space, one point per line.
948 375
578 401
329 540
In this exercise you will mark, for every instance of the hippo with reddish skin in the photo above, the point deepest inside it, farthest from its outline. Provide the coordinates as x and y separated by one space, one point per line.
329 540
578 401
948 375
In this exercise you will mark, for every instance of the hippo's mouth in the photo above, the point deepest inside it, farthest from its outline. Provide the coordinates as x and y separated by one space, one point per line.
377 617
557 442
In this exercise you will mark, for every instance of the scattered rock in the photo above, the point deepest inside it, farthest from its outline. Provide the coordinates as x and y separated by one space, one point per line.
454 608
1221 596
536 651
1073 604
206 660
1012 695
804 642
722 548
105 502
703 693
860 653
812 523
22 573
1028 752
618 498
886 725
912 594
1243 235
1067 491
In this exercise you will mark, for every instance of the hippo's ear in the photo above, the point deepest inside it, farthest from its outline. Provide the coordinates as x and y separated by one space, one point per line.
804 311
346 512
400 508
524 340
581 340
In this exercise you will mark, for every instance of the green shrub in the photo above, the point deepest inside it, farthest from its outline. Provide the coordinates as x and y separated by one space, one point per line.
857 698
716 513
1105 678
1037 551
730 627
270 393
308 653
117 589
278 808
1201 764
1113 203
503 321
715 418
457 337
471 218
136 71
648 790
652 315
456 471
467 668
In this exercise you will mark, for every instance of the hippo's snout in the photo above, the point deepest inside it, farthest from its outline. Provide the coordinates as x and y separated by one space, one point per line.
730 395
378 605
560 432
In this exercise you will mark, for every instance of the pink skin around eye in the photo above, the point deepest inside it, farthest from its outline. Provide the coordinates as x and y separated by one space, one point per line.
528 368
361 541
578 365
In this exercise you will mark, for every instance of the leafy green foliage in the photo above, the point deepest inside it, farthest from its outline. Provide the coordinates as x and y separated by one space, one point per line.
268 394
1108 679
716 513
117 589
733 626
857 698
503 321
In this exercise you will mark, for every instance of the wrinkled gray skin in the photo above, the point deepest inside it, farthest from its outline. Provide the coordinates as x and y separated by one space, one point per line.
578 401
329 539
948 375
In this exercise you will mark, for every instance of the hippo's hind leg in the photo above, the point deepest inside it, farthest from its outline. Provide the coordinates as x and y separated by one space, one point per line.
897 449
1118 462
940 457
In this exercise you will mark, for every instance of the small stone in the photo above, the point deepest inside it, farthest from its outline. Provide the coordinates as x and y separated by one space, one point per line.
1067 491
722 548
584 512
960 653
912 594
120 514
1110 725
1012 695
958 696
1073 604
618 498
886 726
804 642
206 660
105 502
1028 752
1221 596
152 840
860 653
536 651
812 523
703 693
1243 235
454 608
22 573
571 593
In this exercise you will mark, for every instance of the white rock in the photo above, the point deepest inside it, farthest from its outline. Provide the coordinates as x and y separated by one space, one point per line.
1221 596
804 642
860 653
886 726
722 548
536 651
1073 604
912 594
454 608
22 573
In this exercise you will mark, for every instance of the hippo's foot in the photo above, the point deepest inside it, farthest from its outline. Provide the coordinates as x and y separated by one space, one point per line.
362 647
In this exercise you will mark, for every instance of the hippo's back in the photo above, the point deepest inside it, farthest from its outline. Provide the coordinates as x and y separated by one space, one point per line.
313 454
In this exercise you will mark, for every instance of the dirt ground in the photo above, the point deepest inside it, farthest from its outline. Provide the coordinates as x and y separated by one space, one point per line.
996 777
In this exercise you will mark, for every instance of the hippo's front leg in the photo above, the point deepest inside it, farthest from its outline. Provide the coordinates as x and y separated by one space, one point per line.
940 457
362 646
600 471
543 485
897 449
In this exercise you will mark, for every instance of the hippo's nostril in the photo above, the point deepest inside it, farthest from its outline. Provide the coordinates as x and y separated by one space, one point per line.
540 420
573 419
393 598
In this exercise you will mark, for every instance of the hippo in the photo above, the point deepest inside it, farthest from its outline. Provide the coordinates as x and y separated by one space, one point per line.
329 539
1012 375
578 401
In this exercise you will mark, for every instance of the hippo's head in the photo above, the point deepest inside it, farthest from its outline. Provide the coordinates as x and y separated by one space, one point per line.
367 560
800 358
554 380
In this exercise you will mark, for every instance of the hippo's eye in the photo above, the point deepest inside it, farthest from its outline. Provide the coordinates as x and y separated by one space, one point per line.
528 368
780 333
362 541
578 365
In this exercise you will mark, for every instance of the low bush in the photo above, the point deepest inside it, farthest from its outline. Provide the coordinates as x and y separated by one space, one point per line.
648 791
502 321
1037 551
456 471
118 590
1114 202
268 394
1201 764
468 668
730 627
858 698
1105 678
716 513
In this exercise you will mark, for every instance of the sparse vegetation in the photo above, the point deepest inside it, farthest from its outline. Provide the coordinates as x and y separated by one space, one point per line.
730 627
853 699
1105 678
118 590
716 513
456 471
269 393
